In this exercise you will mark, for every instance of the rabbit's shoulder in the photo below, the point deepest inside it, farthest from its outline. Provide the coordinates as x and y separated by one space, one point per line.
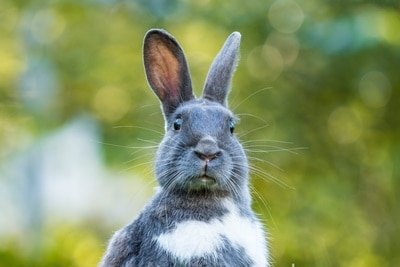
124 245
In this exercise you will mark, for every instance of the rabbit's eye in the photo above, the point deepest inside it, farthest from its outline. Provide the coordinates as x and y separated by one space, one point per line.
231 126
177 124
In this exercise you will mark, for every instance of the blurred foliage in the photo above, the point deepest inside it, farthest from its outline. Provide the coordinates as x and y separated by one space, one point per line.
64 245
318 81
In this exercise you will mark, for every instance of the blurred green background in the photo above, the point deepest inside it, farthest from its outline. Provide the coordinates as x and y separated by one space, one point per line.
317 91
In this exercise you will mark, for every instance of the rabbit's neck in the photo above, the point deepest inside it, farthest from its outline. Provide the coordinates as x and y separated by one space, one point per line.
201 203
206 197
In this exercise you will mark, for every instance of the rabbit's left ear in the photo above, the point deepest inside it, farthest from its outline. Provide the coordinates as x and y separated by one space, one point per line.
166 69
219 76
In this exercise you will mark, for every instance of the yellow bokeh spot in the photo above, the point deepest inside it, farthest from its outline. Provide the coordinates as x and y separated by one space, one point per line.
111 103
366 260
388 27
375 89
87 252
287 44
344 125
286 16
265 63
10 66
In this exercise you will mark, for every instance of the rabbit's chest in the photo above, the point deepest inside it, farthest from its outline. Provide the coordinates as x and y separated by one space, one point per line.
230 234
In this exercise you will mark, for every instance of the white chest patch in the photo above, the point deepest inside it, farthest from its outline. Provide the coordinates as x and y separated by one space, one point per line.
196 238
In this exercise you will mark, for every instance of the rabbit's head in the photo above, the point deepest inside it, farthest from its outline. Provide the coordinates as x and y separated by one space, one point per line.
200 151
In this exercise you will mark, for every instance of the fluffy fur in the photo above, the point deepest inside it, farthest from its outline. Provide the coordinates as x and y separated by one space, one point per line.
201 216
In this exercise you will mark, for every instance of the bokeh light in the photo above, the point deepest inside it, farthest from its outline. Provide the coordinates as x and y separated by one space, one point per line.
111 104
265 62
287 44
46 26
286 16
375 89
344 125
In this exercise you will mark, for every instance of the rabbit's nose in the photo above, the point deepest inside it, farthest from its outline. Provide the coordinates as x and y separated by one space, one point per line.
207 149
207 157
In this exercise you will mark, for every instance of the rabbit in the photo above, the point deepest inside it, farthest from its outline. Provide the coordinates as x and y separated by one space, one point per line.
201 214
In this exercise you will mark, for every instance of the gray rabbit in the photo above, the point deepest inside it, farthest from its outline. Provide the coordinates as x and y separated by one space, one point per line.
201 216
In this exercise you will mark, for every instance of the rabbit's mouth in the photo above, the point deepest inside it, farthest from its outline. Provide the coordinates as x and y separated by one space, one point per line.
207 179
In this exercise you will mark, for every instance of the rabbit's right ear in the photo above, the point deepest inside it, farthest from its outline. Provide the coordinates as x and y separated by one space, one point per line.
220 74
166 69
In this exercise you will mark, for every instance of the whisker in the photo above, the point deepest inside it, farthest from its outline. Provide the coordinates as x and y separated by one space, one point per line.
138 165
290 150
111 144
265 140
251 115
269 176
148 141
251 95
138 127
264 175
267 162
253 130
264 203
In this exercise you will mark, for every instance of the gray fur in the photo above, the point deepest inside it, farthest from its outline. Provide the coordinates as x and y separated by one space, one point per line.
205 129
220 74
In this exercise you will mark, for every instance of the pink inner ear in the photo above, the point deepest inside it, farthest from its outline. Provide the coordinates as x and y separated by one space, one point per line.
165 71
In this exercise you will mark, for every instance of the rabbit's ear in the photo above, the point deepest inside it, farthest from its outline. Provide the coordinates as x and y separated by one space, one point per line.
166 69
220 74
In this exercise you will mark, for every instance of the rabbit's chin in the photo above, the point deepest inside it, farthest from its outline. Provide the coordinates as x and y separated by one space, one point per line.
203 182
